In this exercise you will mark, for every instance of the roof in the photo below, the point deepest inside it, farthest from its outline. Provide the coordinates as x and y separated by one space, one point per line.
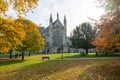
41 29
55 22
58 22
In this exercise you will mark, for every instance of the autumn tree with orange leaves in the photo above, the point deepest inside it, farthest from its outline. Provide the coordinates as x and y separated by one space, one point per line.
108 29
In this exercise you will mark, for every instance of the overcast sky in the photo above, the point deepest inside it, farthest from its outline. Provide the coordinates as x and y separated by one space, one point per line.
76 11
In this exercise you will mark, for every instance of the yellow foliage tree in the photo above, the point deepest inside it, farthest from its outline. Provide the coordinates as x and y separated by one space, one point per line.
11 35
34 41
21 6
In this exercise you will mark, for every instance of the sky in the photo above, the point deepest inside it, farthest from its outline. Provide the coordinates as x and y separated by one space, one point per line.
76 11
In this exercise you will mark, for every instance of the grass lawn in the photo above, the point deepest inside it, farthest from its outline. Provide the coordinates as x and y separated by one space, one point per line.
68 56
65 56
33 68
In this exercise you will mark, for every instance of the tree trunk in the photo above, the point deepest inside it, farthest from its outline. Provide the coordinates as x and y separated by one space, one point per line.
106 53
10 54
23 53
86 51
29 54
96 53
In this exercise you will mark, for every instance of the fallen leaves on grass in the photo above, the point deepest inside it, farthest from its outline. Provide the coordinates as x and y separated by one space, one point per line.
90 69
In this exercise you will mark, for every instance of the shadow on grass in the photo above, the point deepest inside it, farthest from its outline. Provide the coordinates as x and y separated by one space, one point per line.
42 70
9 62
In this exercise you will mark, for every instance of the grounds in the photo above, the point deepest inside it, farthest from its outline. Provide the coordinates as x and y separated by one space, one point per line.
72 67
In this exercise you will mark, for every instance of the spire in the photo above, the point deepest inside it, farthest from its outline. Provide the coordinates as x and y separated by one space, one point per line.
51 20
57 15
65 21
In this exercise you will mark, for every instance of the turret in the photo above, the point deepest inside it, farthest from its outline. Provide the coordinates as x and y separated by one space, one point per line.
51 20
50 30
65 29
58 16
65 21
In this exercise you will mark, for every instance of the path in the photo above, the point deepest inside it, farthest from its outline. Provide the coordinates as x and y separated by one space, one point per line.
5 58
87 58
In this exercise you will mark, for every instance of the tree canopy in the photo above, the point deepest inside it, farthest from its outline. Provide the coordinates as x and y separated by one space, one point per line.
108 37
110 4
33 41
21 6
11 34
21 34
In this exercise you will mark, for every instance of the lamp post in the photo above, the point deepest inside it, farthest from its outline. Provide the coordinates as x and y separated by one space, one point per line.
61 51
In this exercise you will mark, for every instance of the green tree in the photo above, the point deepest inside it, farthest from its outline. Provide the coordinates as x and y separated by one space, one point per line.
33 41
82 36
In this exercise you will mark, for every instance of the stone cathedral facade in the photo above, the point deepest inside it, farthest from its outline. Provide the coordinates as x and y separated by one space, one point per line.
55 35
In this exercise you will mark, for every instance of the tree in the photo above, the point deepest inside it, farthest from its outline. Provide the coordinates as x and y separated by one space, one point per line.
11 35
21 6
82 36
108 38
33 41
112 5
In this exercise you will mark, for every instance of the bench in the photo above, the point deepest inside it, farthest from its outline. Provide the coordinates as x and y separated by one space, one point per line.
45 57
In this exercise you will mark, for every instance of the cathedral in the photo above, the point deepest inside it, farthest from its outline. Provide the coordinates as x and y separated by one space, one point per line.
55 35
